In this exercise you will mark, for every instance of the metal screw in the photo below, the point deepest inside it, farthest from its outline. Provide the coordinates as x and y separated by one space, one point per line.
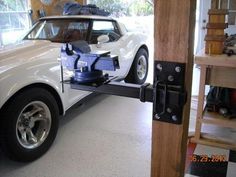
169 110
157 116
170 78
174 118
177 69
159 67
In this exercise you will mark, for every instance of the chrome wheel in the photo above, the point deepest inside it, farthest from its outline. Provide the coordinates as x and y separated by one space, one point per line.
33 124
141 67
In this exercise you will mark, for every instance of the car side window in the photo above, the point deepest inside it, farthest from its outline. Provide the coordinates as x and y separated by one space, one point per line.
104 28
44 30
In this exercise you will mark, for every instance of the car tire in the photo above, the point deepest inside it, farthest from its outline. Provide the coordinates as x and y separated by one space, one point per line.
29 124
139 69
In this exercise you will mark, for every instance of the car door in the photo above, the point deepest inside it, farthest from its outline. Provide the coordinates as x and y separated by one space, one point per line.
115 44
105 27
74 31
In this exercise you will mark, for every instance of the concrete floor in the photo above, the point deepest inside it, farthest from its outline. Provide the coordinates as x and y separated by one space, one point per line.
107 136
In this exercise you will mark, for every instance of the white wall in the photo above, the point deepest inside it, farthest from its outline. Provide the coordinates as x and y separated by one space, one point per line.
231 29
202 14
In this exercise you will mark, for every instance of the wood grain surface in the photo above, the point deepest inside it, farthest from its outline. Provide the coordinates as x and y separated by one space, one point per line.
174 32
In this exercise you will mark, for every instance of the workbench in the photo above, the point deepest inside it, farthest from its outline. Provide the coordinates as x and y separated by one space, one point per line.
215 70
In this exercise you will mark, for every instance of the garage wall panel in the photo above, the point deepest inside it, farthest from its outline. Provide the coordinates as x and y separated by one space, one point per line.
53 9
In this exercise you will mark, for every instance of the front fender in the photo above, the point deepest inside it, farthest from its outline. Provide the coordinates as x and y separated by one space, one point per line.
22 76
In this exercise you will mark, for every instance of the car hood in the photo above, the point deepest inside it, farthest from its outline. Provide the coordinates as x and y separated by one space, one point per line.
26 52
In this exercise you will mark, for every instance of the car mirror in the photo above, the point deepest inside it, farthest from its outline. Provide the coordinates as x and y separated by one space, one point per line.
103 39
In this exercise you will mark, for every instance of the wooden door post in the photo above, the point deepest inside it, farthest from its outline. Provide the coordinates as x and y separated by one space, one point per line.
174 37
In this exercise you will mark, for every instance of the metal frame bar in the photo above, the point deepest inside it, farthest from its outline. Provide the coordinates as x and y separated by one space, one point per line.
142 92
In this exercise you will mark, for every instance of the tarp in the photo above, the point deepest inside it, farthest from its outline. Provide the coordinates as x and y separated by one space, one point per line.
72 8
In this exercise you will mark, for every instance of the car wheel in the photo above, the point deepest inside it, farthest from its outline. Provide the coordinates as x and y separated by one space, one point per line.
139 69
29 124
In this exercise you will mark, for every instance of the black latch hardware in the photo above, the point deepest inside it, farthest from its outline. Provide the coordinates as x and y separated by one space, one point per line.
169 92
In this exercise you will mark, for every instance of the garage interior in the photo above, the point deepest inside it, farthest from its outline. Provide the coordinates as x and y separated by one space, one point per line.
110 136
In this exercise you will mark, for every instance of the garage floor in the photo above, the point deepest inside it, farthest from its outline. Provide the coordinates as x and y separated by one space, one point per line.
109 139
107 136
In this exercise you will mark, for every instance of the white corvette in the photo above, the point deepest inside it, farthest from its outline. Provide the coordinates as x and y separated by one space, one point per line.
31 97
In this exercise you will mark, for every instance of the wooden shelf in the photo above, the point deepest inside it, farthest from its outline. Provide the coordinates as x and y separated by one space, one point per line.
216 70
218 12
211 140
215 60
217 119
217 26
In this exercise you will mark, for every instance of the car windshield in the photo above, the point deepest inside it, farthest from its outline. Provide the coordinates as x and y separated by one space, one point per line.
60 30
